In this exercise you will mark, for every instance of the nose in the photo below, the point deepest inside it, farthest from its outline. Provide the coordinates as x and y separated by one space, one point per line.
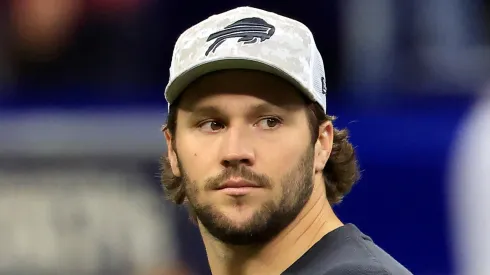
237 149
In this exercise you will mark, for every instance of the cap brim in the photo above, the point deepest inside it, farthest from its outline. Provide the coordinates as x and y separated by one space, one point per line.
176 86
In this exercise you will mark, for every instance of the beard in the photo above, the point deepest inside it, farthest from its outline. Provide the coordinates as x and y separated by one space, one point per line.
271 218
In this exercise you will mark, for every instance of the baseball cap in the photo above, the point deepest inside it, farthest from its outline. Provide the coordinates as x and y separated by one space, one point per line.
249 38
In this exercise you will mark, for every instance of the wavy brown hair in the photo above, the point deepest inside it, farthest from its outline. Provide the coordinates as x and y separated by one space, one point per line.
340 173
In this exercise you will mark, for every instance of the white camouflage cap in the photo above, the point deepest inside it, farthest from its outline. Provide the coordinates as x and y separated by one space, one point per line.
249 38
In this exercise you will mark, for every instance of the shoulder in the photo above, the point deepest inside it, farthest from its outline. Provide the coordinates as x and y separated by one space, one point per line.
358 254
361 268
347 251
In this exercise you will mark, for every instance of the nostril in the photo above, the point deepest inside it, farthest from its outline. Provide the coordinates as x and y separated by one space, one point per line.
226 163
245 161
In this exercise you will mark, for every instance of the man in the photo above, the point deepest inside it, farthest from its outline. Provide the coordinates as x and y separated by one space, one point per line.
253 154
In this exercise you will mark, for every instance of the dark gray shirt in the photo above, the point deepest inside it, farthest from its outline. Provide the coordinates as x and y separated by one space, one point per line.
346 251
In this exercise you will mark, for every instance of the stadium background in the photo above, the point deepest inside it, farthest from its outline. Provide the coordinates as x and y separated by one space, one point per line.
81 94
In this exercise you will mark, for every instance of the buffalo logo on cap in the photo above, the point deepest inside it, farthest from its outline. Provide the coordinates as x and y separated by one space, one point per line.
249 30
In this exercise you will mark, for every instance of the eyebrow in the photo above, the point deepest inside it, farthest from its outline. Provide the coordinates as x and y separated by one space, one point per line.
206 111
261 108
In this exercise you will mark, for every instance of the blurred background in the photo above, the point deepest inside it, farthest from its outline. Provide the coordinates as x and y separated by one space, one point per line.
81 105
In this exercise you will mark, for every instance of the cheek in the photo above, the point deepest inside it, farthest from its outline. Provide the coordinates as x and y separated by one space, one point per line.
196 159
279 158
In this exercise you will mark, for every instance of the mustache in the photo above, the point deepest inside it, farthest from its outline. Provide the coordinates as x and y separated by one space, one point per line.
239 172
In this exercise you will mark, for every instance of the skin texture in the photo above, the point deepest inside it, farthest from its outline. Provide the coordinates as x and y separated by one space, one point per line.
252 126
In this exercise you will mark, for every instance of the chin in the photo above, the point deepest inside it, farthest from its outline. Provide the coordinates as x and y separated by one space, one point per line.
239 214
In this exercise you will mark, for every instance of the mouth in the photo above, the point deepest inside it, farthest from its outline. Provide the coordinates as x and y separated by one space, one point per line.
238 187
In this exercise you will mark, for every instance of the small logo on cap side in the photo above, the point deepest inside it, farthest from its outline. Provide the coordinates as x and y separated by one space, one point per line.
250 30
324 86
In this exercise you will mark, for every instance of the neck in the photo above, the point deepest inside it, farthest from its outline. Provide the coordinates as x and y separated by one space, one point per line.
314 221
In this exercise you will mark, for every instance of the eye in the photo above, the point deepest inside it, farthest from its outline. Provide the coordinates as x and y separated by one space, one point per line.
269 123
211 126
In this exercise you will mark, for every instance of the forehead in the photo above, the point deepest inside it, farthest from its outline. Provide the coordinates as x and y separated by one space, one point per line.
245 86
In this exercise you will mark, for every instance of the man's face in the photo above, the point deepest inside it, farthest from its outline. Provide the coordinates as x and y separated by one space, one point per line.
243 148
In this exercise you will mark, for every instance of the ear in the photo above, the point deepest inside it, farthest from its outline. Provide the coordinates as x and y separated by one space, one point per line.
323 145
172 156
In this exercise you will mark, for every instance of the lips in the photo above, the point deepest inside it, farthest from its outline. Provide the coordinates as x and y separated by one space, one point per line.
238 183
